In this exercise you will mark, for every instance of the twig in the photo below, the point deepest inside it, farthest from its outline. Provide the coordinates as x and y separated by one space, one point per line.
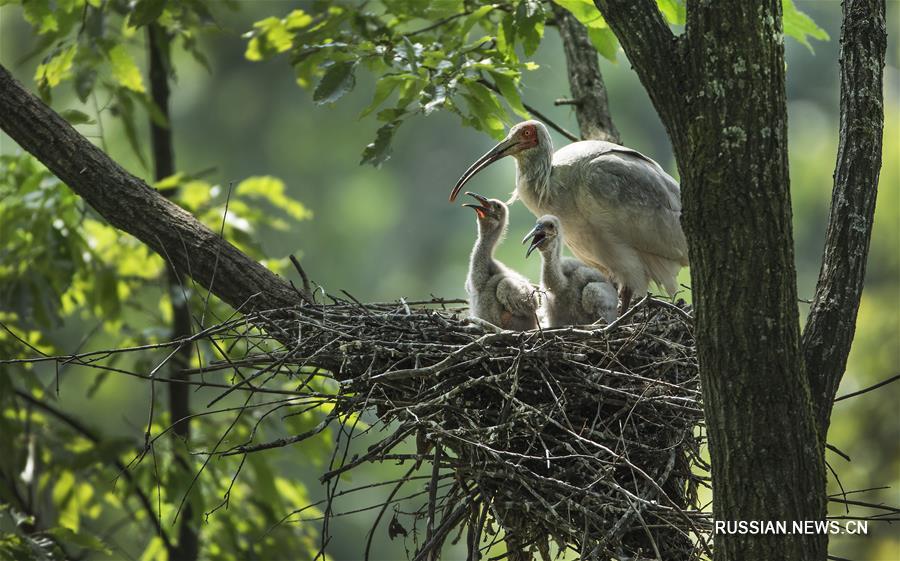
307 291
870 388
544 118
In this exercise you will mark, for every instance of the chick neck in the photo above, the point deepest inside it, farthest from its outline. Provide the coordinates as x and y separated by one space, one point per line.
551 271
482 260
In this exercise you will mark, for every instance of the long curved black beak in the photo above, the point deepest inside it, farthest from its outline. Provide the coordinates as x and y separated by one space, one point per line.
499 151
484 206
537 237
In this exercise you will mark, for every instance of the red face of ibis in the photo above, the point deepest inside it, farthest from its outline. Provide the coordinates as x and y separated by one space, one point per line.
521 137
526 136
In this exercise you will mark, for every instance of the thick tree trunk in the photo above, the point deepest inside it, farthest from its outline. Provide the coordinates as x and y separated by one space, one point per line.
722 100
130 205
767 461
188 545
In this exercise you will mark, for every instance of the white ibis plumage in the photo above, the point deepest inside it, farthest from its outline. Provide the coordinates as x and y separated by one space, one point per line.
497 294
574 293
620 210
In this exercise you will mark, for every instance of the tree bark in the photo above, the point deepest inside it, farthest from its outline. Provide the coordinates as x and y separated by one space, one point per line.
585 80
188 545
719 90
129 204
657 58
767 458
832 318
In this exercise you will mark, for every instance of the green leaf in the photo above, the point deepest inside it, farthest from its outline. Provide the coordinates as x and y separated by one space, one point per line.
273 190
529 24
673 10
125 109
585 12
506 36
800 26
409 91
125 70
38 14
297 19
379 151
486 111
56 68
338 80
76 117
475 17
270 36
383 89
411 55
146 12
510 92
84 82
604 40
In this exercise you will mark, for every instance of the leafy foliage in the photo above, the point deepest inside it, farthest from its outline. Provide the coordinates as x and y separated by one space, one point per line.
462 56
427 56
61 268
93 44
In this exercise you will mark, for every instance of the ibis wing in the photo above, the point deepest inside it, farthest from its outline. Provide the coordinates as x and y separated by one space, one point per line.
517 296
632 195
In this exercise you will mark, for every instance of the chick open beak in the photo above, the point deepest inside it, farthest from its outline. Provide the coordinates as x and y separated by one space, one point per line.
484 206
504 148
537 237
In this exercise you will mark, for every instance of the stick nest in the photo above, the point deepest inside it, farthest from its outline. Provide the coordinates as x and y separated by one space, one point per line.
584 438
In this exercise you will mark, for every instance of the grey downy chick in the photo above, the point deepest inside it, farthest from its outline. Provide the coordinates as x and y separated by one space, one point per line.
497 294
574 293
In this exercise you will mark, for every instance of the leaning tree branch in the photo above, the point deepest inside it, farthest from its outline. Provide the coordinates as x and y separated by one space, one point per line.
832 318
130 205
653 51
585 80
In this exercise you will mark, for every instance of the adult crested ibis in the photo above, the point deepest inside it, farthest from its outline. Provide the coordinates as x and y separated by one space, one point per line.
574 293
497 294
620 210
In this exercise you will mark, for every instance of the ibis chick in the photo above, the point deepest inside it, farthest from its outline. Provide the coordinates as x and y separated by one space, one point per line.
497 294
574 293
621 211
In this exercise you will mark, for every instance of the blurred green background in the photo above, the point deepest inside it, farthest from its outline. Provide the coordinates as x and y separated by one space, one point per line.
387 233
